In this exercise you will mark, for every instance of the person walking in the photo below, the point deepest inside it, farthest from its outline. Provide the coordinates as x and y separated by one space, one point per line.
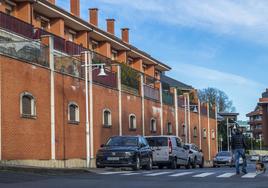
239 146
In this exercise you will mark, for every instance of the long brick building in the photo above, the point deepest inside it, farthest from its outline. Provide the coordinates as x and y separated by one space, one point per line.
43 104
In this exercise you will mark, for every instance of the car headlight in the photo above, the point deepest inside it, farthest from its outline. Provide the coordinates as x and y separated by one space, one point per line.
129 153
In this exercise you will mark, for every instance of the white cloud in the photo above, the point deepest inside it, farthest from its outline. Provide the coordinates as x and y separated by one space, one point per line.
243 91
243 18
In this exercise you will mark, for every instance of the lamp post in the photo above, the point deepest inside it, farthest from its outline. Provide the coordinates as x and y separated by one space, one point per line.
227 134
89 99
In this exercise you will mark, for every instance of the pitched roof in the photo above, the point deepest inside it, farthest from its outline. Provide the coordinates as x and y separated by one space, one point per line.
175 83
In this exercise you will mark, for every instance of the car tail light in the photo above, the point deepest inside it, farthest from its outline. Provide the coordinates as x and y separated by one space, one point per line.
169 146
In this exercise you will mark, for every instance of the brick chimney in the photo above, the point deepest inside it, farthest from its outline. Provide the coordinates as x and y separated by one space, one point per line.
52 1
125 35
110 25
93 16
75 7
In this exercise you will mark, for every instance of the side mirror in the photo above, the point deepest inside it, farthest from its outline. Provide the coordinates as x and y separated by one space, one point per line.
102 145
185 147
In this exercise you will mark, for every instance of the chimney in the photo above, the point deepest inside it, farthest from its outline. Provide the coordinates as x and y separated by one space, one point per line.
125 35
75 7
52 1
93 16
110 25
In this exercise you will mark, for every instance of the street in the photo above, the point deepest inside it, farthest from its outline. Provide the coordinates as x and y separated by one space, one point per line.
201 178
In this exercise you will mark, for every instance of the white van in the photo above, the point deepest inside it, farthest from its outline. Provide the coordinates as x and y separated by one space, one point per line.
168 151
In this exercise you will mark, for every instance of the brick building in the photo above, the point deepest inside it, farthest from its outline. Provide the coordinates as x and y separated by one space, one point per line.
256 122
43 50
263 102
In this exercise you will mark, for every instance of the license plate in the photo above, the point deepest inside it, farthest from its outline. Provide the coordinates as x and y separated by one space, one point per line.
113 158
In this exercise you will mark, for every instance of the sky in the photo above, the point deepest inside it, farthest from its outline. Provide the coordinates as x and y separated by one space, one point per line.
208 43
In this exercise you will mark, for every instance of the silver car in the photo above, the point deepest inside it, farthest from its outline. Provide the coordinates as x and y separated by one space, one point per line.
196 155
168 151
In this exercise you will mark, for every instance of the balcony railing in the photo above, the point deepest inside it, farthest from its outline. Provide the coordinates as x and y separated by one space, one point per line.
29 51
61 44
151 93
15 25
167 97
130 80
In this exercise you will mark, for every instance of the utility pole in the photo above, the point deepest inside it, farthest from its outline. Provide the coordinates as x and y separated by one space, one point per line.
227 135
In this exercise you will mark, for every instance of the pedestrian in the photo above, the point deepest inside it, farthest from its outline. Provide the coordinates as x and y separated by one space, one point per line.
239 150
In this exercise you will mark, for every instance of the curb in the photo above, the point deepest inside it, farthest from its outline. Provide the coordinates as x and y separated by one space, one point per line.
45 170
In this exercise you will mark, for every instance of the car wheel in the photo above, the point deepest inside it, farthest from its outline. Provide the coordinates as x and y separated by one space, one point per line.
202 163
188 165
173 164
149 166
138 164
194 163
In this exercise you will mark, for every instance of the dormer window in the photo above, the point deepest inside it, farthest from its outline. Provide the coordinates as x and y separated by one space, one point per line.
71 35
129 61
44 23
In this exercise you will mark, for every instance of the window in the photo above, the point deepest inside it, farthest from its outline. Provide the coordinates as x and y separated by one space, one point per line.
153 125
130 61
183 130
73 113
95 45
195 132
107 118
27 105
114 55
213 134
204 133
169 128
9 8
132 122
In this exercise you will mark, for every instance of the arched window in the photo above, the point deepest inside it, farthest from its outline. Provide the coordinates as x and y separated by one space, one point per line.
27 105
195 132
153 125
169 128
213 134
204 133
73 113
107 118
132 122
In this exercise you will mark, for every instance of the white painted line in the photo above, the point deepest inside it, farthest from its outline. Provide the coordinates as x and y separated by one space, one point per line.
130 174
181 174
203 175
250 175
158 173
226 175
110 173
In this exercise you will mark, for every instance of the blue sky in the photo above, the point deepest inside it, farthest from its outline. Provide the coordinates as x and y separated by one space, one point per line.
208 43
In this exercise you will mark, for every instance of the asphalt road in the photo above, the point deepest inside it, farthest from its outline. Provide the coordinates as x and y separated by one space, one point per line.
115 178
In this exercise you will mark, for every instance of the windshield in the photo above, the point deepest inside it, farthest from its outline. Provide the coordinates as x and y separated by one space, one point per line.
224 154
157 141
122 141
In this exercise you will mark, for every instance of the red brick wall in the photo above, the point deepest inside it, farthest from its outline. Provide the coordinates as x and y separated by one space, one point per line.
104 98
24 138
152 110
70 138
169 116
131 105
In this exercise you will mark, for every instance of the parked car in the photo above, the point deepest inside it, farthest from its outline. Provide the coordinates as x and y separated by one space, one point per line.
224 158
168 151
254 158
196 155
125 151
265 159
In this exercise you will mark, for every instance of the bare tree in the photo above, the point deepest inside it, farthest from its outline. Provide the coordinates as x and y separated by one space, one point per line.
218 97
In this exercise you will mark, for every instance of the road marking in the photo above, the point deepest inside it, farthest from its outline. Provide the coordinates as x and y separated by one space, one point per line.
181 174
226 175
110 173
130 174
250 175
158 173
203 175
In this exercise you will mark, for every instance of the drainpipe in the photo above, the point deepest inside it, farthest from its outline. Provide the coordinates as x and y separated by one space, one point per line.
189 118
161 106
176 111
142 105
209 146
185 119
199 124
119 99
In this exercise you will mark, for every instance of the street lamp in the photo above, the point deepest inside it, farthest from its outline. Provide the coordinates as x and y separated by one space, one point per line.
88 84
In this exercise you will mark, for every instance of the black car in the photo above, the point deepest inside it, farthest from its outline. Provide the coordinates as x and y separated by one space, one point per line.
125 151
